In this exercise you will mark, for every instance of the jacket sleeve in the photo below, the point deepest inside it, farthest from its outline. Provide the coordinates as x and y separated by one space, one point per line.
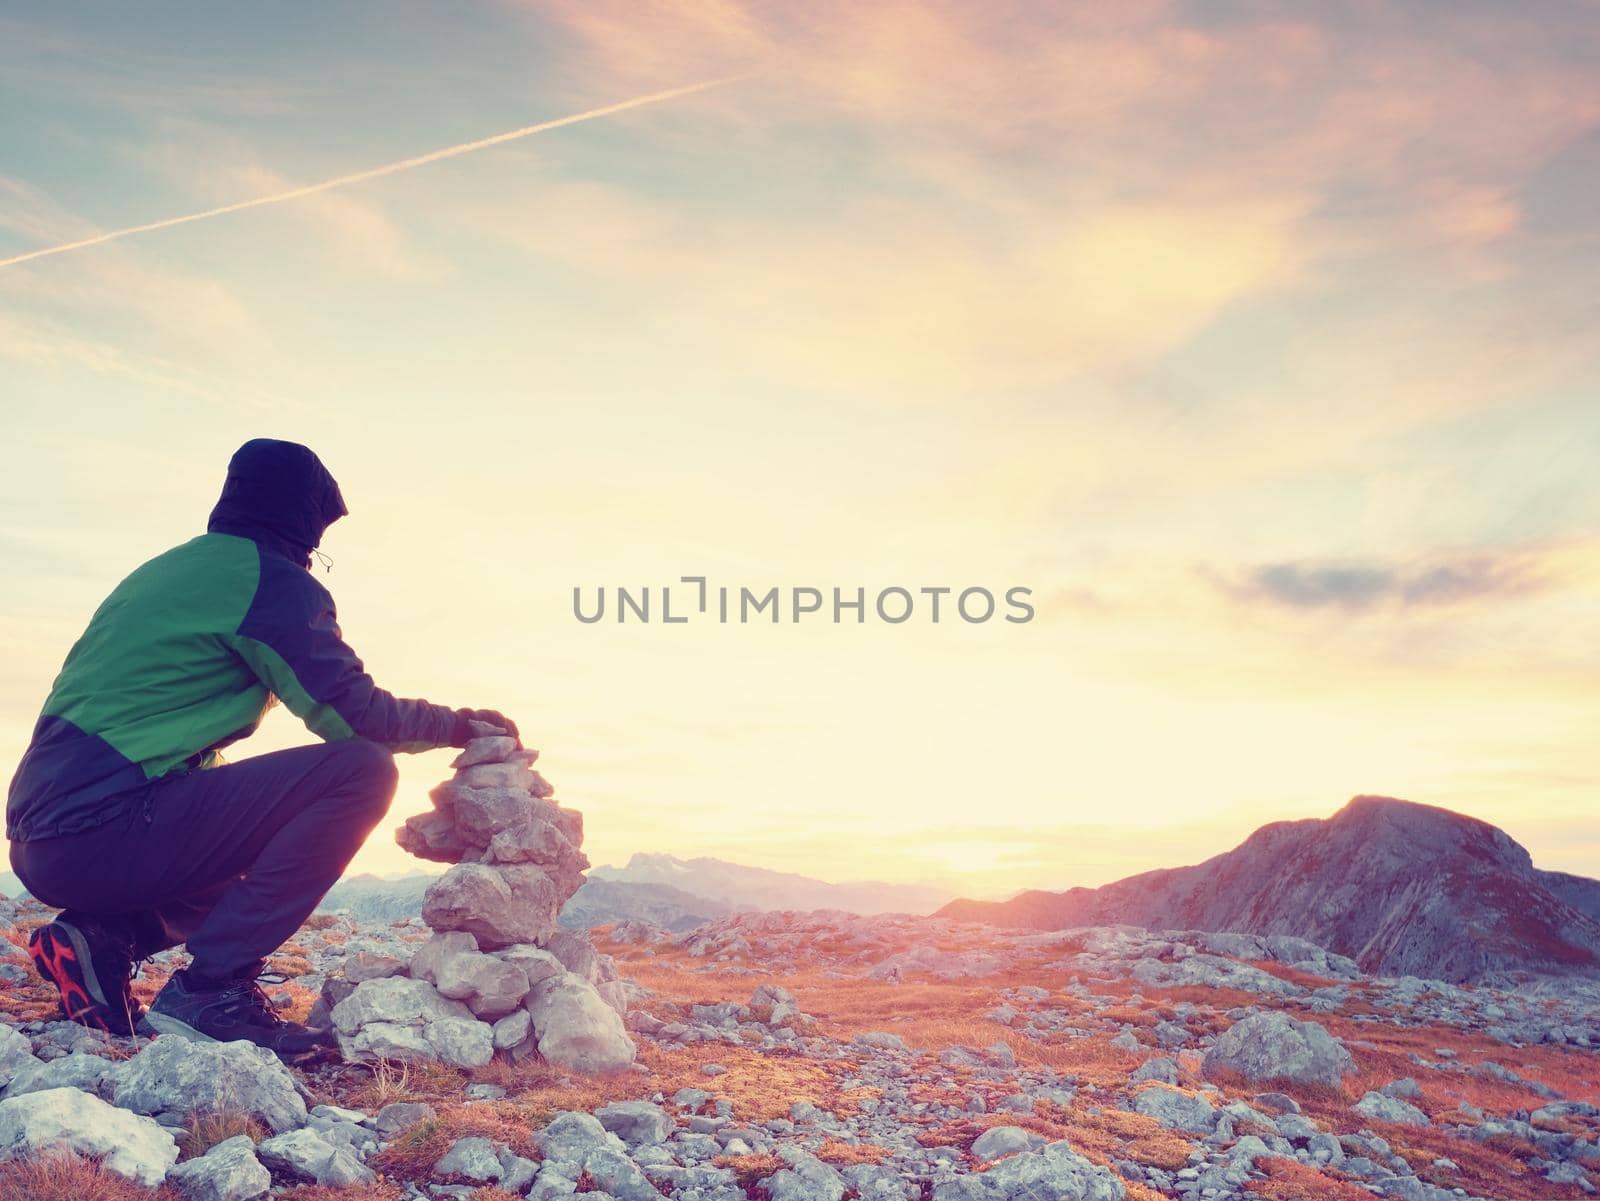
290 639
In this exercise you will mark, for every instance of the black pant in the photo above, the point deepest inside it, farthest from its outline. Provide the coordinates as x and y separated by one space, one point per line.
229 860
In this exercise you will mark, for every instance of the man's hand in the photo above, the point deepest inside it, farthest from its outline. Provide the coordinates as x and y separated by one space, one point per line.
463 732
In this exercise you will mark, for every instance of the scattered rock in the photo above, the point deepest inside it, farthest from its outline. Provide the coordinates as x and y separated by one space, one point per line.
1274 1046
229 1171
1384 1108
127 1144
1004 1140
1175 1109
637 1123
307 1156
576 1029
171 1079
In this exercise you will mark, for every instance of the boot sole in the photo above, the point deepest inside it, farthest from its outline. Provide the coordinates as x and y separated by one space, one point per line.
61 955
165 1023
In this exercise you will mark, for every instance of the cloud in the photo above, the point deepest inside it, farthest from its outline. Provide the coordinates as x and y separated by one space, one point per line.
1019 196
1355 585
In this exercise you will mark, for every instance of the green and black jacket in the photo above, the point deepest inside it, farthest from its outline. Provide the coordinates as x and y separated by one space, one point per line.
189 652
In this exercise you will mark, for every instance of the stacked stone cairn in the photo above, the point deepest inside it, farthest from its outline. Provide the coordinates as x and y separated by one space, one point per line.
498 975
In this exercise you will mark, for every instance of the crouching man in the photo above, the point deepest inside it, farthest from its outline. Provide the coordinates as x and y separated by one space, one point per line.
123 815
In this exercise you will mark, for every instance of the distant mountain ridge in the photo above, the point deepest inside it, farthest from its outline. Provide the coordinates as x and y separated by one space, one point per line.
1401 888
741 887
379 898
598 902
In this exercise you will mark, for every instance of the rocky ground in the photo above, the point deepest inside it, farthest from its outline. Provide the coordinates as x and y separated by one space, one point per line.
786 1057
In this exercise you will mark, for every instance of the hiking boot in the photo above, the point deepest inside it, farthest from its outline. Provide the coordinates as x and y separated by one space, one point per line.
232 1010
92 968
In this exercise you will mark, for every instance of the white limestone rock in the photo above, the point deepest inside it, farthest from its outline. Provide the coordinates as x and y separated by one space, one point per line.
500 905
129 1145
461 1042
229 1171
172 1078
575 1028
1274 1046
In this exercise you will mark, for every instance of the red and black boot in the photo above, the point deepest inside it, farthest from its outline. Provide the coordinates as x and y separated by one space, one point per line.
91 967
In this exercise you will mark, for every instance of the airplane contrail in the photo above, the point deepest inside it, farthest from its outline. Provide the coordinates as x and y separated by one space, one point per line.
405 164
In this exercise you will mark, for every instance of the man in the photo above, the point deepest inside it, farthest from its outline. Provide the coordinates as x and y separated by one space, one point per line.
123 814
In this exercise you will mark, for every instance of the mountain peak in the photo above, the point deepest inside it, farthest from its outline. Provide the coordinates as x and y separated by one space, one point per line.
1403 888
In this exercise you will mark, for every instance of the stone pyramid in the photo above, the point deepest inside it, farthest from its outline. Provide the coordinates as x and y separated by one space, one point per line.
499 975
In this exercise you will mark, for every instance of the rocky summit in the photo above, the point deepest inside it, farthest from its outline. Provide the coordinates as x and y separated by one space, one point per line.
497 976
800 1056
1401 888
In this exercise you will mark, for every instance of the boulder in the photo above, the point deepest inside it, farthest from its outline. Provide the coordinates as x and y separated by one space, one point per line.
1055 1171
461 1042
619 1177
125 1143
576 953
501 904
567 1139
172 1078
538 963
401 1115
1158 1068
385 1040
515 774
1383 1108
430 957
229 1171
16 1054
1003 1140
806 1178
1177 1110
394 999
1274 1046
306 1156
575 1028
473 1160
490 987
637 1123
79 1070
496 748
535 841
432 835
512 1030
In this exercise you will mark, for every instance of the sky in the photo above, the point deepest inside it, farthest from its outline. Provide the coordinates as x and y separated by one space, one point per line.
1260 341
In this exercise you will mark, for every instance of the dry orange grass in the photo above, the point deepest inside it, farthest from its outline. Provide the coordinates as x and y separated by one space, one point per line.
1133 1015
387 1081
301 999
759 1086
62 1176
842 1154
1101 1137
289 965
205 1130
1569 1071
383 1190
1293 974
748 1169
1497 1168
414 1152
1290 1181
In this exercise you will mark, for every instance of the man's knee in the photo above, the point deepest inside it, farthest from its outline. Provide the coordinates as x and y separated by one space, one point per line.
372 772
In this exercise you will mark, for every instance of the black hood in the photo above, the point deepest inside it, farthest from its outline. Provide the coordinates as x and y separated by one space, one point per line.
280 495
